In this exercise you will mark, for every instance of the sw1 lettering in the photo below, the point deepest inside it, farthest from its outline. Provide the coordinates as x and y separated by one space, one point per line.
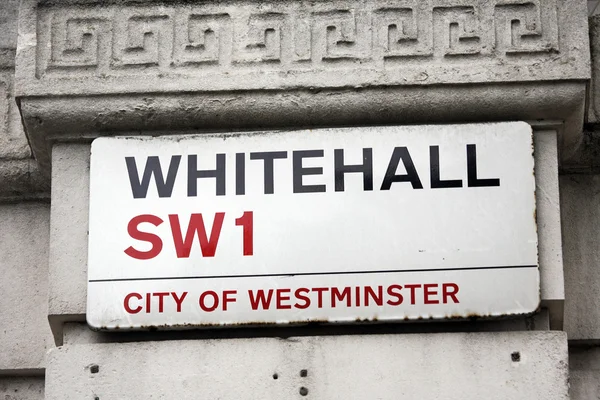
183 244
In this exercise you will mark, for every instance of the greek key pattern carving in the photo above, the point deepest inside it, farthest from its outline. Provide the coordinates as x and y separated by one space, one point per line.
288 36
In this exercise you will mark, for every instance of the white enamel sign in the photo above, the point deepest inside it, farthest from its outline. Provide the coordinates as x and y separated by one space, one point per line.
338 225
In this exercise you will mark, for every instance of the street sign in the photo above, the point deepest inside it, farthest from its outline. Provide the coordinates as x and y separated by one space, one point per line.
336 225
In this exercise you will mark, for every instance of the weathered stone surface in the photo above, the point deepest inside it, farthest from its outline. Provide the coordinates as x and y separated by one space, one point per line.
286 44
22 388
19 175
549 225
282 44
492 366
594 110
8 24
13 142
584 373
24 331
8 32
21 180
246 64
580 199
587 160
68 235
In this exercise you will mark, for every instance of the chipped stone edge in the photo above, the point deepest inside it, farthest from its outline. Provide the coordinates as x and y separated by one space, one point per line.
21 180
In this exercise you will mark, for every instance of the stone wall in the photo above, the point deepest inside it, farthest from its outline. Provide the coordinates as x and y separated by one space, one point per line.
18 172
24 333
74 70
24 239
436 366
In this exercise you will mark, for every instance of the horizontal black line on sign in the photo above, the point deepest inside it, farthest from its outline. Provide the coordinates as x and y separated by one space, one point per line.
170 278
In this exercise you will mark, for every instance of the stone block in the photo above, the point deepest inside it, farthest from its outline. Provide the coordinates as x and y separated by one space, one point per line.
549 225
24 331
584 373
21 180
68 235
13 142
580 199
9 10
8 33
491 366
131 47
89 68
19 176
594 109
22 387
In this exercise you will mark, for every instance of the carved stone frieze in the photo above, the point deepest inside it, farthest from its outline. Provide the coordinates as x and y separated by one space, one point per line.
249 64
401 42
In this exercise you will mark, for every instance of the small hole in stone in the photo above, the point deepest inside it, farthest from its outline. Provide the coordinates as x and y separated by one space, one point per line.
94 369
304 373
303 391
96 398
516 356
275 376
